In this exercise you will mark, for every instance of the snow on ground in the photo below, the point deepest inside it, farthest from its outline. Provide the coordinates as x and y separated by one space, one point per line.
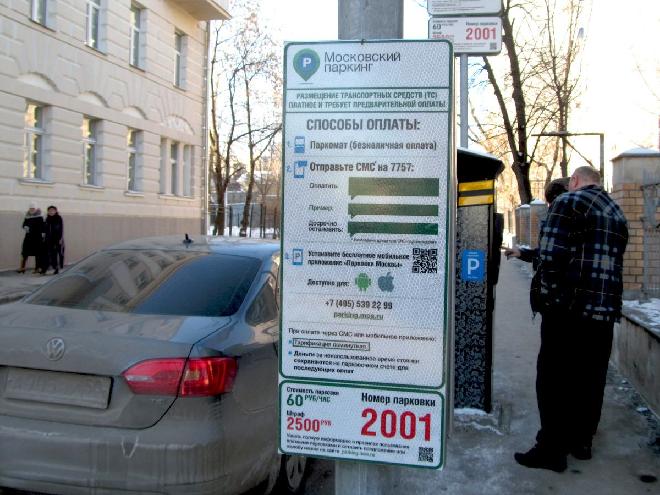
646 314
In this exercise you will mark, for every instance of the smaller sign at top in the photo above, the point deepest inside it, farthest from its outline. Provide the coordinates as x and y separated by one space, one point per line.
464 7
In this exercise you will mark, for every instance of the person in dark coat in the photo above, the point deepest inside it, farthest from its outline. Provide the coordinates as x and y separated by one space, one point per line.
553 190
581 283
33 225
54 228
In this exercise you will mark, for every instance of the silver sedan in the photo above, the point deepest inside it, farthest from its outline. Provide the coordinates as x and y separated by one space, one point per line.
148 367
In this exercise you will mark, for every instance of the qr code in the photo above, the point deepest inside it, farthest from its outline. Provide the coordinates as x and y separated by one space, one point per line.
425 454
493 46
425 260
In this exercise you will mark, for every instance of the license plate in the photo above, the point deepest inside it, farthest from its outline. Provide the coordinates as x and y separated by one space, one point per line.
54 387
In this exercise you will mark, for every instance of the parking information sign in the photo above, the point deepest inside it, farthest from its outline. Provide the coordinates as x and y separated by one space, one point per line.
471 35
365 238
463 7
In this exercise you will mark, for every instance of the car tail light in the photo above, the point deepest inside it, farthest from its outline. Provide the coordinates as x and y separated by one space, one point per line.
207 376
155 377
201 377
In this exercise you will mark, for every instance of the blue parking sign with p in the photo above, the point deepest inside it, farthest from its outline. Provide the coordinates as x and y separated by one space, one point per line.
473 263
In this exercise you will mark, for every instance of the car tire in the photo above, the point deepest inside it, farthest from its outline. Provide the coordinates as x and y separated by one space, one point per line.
291 479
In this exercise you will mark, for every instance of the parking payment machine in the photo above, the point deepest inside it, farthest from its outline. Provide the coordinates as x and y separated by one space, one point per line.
478 240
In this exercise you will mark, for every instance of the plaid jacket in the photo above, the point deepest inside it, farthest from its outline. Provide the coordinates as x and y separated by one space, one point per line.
581 255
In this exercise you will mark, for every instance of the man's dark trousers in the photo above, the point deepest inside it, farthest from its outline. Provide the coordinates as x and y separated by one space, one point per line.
570 379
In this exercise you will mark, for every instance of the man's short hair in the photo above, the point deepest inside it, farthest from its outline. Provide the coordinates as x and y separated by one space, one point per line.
555 188
588 173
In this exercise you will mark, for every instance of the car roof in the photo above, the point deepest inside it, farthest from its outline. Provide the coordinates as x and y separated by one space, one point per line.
256 248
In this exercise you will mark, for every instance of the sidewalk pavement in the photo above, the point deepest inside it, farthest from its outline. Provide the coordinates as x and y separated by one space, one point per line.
626 450
14 286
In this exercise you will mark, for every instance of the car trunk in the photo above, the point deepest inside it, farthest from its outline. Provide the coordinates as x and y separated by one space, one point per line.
61 364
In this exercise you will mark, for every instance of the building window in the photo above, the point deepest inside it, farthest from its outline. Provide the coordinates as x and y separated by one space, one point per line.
134 139
34 132
38 13
174 165
93 23
89 140
187 170
179 55
136 35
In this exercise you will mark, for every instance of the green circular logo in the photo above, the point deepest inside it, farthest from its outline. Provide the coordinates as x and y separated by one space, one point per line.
306 62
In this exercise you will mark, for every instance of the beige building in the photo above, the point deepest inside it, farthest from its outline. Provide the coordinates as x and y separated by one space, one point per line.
103 114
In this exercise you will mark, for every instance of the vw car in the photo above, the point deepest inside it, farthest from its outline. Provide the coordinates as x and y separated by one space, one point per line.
148 367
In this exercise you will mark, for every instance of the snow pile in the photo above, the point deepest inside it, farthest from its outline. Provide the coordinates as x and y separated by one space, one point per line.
646 314
640 152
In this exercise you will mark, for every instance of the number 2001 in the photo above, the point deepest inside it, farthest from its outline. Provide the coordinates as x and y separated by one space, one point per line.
405 425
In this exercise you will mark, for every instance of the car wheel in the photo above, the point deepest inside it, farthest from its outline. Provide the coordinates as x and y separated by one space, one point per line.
292 474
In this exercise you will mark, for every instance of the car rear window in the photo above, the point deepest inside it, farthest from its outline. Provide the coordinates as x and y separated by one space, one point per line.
153 282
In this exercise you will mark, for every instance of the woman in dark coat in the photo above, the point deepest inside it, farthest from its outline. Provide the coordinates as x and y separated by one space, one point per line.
33 225
54 228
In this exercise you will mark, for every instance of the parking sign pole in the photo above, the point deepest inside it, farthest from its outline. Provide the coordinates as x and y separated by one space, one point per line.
367 243
464 99
359 20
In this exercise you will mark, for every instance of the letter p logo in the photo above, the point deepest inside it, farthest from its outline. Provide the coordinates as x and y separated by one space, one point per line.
306 62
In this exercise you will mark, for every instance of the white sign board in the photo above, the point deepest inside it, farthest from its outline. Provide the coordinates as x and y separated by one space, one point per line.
396 426
470 35
367 170
463 7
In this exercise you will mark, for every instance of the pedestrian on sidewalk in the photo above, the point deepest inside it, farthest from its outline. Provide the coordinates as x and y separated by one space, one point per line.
33 225
581 262
54 228
554 189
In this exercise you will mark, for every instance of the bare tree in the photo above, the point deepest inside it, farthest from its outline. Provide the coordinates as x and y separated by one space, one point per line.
268 186
268 175
245 113
541 78
559 59
222 137
261 66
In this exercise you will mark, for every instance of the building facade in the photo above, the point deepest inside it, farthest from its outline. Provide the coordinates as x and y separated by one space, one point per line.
103 114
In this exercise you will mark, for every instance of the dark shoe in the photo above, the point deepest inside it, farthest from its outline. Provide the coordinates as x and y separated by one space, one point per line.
56 271
20 270
539 458
581 452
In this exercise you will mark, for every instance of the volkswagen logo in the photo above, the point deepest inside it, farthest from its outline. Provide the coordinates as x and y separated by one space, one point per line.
55 349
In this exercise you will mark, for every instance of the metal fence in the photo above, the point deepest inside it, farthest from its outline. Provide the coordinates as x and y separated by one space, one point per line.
264 220
651 225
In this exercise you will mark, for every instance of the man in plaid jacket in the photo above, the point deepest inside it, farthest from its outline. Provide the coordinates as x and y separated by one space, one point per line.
581 262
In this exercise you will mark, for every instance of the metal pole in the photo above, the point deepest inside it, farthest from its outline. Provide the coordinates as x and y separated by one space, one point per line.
251 218
364 20
205 133
464 99
275 223
262 222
